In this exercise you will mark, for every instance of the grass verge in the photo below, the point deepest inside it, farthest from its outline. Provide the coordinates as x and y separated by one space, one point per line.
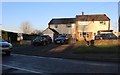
99 50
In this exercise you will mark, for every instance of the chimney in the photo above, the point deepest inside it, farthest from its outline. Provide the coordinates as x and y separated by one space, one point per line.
82 13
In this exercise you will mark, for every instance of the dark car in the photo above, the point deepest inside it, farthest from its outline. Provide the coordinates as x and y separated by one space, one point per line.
41 40
5 46
49 39
62 39
106 36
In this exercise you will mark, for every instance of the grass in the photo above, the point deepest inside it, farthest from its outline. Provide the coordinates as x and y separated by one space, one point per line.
80 43
93 49
101 49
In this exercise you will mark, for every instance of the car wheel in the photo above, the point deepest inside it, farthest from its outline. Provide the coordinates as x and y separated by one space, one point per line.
62 42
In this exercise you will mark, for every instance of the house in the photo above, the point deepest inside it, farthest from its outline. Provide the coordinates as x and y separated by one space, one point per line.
9 36
89 25
82 26
63 25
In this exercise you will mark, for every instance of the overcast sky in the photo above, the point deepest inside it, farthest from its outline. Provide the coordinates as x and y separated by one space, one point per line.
40 13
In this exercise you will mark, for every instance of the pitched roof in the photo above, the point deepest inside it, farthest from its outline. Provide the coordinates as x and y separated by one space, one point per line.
97 17
62 21
53 30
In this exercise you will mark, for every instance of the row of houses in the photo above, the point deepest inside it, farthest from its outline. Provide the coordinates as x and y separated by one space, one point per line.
80 27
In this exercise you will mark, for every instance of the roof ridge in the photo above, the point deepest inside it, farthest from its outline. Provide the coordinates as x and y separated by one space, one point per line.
92 15
63 18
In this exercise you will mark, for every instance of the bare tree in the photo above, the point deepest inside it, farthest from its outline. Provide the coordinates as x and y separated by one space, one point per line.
38 32
26 27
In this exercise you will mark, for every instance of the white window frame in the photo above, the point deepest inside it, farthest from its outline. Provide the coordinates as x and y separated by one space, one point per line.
102 22
68 25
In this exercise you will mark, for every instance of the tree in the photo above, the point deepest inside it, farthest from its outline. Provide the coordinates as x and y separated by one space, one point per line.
38 32
26 27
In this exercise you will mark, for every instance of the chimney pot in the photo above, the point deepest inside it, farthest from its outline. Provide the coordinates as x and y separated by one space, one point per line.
82 13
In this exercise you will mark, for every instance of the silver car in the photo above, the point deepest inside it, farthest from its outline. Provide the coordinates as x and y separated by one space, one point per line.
5 46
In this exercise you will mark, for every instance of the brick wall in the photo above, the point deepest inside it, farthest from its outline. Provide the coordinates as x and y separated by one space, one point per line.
105 42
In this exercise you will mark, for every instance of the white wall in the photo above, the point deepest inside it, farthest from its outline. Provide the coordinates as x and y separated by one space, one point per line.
92 26
62 29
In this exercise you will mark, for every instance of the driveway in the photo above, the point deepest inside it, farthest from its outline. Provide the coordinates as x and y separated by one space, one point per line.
48 50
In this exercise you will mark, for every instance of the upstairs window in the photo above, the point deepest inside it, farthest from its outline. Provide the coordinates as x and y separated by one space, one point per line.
68 26
102 22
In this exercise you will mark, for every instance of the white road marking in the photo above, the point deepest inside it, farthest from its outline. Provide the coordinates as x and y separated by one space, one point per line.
21 69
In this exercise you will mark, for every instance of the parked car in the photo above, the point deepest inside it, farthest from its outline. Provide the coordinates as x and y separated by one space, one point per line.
5 46
106 36
63 39
49 39
42 40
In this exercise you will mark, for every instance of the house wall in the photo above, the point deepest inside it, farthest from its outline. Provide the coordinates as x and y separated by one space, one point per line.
63 29
117 33
47 31
90 26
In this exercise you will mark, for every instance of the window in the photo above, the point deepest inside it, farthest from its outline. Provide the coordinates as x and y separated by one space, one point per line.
87 34
56 26
94 34
84 34
102 22
80 34
68 26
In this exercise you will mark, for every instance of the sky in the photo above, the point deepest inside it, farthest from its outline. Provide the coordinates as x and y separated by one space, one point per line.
38 14
119 12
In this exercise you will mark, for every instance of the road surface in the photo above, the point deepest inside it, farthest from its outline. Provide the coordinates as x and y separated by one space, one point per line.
42 65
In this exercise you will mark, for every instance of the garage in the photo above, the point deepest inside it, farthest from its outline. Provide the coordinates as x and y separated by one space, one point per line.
51 32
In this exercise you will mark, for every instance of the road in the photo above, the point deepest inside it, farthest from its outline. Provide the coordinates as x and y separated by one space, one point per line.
43 65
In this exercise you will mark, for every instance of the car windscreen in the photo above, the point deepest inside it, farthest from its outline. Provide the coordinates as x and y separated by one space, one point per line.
44 36
39 38
62 36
